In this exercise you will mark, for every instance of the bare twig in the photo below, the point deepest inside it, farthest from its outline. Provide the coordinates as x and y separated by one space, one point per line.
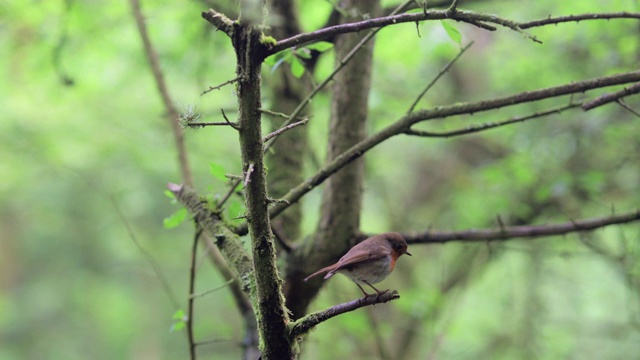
611 97
482 127
172 113
211 88
576 18
285 128
278 114
226 197
232 124
194 296
306 323
628 108
529 231
440 73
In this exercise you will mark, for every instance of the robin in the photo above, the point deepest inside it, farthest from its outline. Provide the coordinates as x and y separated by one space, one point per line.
370 261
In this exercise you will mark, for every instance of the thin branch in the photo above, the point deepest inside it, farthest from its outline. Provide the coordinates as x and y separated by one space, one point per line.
211 88
192 285
279 114
232 124
486 126
440 73
404 123
529 231
226 197
172 114
285 128
306 323
320 86
611 97
194 296
577 18
628 108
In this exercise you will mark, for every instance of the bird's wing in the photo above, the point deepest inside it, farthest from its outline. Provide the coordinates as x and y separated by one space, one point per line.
358 254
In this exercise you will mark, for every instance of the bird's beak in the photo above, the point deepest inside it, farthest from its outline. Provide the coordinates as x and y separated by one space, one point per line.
408 253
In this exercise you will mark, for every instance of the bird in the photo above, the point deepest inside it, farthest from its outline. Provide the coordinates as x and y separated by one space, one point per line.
370 261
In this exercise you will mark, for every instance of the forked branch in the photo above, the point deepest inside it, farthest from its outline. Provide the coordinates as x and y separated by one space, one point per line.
404 124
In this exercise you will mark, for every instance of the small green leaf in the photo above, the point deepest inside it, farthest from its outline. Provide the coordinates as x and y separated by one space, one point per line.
217 170
178 326
320 46
175 219
452 31
179 315
297 69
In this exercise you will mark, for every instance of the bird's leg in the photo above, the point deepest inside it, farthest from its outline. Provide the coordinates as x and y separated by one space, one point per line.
374 288
364 292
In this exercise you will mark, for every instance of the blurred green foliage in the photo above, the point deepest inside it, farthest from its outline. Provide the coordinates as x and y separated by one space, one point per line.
86 153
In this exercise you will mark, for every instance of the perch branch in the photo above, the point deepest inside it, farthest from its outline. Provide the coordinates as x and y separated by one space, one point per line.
306 323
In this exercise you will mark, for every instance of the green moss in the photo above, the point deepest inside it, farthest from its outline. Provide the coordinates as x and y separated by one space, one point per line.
267 40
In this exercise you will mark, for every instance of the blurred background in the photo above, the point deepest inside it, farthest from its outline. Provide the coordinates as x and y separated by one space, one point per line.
85 155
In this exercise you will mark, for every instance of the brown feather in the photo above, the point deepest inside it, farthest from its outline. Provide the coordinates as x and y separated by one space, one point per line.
372 248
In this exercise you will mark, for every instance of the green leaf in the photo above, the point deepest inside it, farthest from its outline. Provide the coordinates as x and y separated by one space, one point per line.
452 31
175 219
179 315
217 170
297 69
320 46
